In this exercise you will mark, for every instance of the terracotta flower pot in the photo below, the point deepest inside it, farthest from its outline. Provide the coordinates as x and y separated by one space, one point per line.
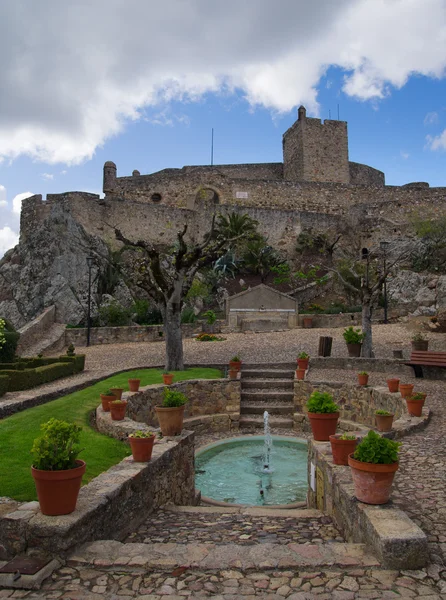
308 322
354 350
300 374
372 482
105 401
384 422
323 425
393 385
170 419
363 379
341 449
235 365
118 410
57 491
142 448
134 385
117 392
415 407
167 378
406 389
302 363
233 374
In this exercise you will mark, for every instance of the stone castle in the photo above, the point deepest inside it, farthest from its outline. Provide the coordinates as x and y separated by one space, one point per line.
315 187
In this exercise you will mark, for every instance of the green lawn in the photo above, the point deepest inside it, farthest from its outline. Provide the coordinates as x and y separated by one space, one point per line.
18 432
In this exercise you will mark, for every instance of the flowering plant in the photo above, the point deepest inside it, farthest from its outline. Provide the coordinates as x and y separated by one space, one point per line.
2 332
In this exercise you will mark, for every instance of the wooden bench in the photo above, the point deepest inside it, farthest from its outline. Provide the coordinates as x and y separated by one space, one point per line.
421 358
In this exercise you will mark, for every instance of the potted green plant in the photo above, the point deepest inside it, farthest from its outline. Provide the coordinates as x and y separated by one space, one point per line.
393 384
342 446
209 325
420 342
56 470
415 404
141 443
116 391
117 409
384 419
363 378
167 377
134 385
373 466
235 363
353 338
171 413
71 350
302 360
323 414
107 397
406 389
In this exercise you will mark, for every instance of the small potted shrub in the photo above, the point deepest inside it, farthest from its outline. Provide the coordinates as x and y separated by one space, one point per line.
56 470
415 404
323 414
300 374
71 350
235 363
167 377
302 361
406 389
373 466
363 378
420 342
171 413
384 420
117 392
353 338
342 446
117 409
209 325
393 385
134 385
141 443
107 397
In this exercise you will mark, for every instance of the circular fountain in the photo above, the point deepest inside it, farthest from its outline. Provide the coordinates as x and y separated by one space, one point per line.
253 470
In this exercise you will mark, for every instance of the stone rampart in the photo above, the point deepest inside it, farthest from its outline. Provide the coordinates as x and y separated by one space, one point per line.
125 334
35 329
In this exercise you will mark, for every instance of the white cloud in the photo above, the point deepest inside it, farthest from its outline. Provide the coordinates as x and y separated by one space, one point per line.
8 239
431 118
90 74
17 201
3 195
47 176
404 155
437 142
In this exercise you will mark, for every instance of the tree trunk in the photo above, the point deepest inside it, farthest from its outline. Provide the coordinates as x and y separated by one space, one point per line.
174 337
367 344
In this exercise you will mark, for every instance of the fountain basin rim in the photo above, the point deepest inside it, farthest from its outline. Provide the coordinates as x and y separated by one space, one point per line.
243 438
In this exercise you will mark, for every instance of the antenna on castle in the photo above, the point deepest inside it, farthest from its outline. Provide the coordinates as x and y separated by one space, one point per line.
212 147
329 113
338 111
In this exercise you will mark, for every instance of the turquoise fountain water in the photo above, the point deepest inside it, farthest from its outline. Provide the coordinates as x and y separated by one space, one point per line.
255 470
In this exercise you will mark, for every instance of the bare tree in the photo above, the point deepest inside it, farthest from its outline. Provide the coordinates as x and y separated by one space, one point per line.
167 275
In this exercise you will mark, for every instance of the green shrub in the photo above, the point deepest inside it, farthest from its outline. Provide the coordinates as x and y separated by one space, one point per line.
31 377
78 361
383 413
71 350
321 402
303 355
9 338
210 317
173 398
236 358
141 435
353 336
363 373
4 383
377 450
345 436
114 315
188 315
57 449
417 396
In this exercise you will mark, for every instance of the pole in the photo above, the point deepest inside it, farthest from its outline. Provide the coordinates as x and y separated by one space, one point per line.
89 306
212 147
385 290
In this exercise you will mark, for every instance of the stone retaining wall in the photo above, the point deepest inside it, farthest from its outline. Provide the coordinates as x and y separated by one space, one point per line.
35 329
394 539
206 397
122 335
110 506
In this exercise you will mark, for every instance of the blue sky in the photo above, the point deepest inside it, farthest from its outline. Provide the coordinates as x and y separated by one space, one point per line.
70 101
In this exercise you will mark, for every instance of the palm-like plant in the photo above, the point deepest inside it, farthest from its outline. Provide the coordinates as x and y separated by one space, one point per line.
260 259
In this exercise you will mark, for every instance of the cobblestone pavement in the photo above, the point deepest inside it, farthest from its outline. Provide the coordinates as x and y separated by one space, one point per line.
221 528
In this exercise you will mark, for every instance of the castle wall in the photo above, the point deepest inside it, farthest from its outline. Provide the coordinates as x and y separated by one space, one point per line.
365 175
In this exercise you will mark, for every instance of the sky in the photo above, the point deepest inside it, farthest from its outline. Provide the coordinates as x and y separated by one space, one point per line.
143 82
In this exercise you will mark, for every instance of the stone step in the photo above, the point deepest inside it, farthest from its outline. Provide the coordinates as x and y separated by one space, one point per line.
248 421
248 511
140 557
256 408
267 374
291 366
251 383
267 396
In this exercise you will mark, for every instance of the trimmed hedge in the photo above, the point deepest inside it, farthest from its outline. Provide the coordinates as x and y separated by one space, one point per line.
20 378
8 349
78 359
4 382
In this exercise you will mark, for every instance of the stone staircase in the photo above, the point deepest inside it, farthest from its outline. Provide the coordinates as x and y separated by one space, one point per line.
269 390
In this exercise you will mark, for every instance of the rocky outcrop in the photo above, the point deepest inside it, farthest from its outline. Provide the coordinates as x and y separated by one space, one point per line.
418 294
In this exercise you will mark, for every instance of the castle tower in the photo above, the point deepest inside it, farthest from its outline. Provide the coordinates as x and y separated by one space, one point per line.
316 151
109 180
